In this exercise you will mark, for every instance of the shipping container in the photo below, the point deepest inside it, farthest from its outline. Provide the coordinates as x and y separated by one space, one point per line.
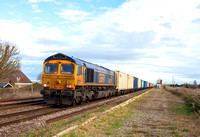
139 83
130 82
142 83
135 82
145 84
121 80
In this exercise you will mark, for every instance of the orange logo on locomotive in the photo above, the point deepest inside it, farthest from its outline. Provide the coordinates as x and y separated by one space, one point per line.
101 78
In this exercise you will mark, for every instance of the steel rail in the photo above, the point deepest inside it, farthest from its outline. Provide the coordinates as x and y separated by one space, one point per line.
24 112
19 99
30 103
28 118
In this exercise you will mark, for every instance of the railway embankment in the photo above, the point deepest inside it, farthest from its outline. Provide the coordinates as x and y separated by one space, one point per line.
159 113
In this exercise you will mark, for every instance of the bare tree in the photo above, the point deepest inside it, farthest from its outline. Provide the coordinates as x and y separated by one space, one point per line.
195 82
39 77
9 59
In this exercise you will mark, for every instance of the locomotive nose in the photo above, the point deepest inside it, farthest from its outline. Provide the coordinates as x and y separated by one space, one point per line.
58 81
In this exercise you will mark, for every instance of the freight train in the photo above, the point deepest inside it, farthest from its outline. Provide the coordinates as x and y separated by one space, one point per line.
68 80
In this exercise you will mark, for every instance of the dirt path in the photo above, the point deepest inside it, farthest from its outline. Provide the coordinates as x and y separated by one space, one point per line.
156 115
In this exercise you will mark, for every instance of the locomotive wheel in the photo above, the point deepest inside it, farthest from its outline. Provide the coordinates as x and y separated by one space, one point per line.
87 100
74 103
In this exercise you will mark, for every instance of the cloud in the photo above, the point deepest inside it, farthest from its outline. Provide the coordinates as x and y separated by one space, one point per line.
35 8
166 25
26 36
104 8
197 21
147 39
73 15
36 1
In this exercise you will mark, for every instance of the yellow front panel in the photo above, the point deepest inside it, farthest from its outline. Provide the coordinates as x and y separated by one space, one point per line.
59 81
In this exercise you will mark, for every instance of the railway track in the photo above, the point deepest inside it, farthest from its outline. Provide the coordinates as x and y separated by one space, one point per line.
26 115
21 104
20 99
21 116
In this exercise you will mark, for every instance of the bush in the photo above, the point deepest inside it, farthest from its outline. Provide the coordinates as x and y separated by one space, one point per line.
36 86
191 98
194 102
175 92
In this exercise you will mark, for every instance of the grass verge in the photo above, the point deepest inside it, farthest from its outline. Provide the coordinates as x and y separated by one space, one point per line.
192 102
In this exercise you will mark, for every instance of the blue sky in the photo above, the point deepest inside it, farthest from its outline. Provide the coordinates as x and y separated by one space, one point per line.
147 39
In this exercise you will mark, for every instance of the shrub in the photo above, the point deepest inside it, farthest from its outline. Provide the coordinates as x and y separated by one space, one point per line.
175 92
36 86
194 102
191 97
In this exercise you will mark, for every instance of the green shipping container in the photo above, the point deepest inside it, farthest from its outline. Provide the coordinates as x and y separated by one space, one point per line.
142 83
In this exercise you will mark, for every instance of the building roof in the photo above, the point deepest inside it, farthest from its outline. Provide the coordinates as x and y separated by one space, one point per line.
17 77
3 85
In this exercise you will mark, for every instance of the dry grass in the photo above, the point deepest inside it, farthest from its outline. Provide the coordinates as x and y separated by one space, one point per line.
191 97
185 91
25 92
13 94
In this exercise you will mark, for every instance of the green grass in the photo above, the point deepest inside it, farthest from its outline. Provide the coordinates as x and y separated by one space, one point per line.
192 103
186 130
117 124
174 131
182 109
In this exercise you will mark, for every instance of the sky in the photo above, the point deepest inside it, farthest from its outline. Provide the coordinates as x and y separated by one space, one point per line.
149 39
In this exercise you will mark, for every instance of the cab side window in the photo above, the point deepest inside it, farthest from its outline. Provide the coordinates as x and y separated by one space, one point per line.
79 70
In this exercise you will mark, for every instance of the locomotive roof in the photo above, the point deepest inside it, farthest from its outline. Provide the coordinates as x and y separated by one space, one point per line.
79 62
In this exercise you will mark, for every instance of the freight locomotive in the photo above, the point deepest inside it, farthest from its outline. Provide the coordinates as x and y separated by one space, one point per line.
69 80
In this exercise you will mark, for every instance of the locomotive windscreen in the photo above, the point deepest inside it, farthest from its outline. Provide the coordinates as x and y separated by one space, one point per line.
51 68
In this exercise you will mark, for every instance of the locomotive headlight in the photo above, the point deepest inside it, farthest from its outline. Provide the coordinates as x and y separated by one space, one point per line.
46 85
68 86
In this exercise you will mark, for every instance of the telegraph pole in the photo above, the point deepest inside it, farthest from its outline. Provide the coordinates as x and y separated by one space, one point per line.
173 81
